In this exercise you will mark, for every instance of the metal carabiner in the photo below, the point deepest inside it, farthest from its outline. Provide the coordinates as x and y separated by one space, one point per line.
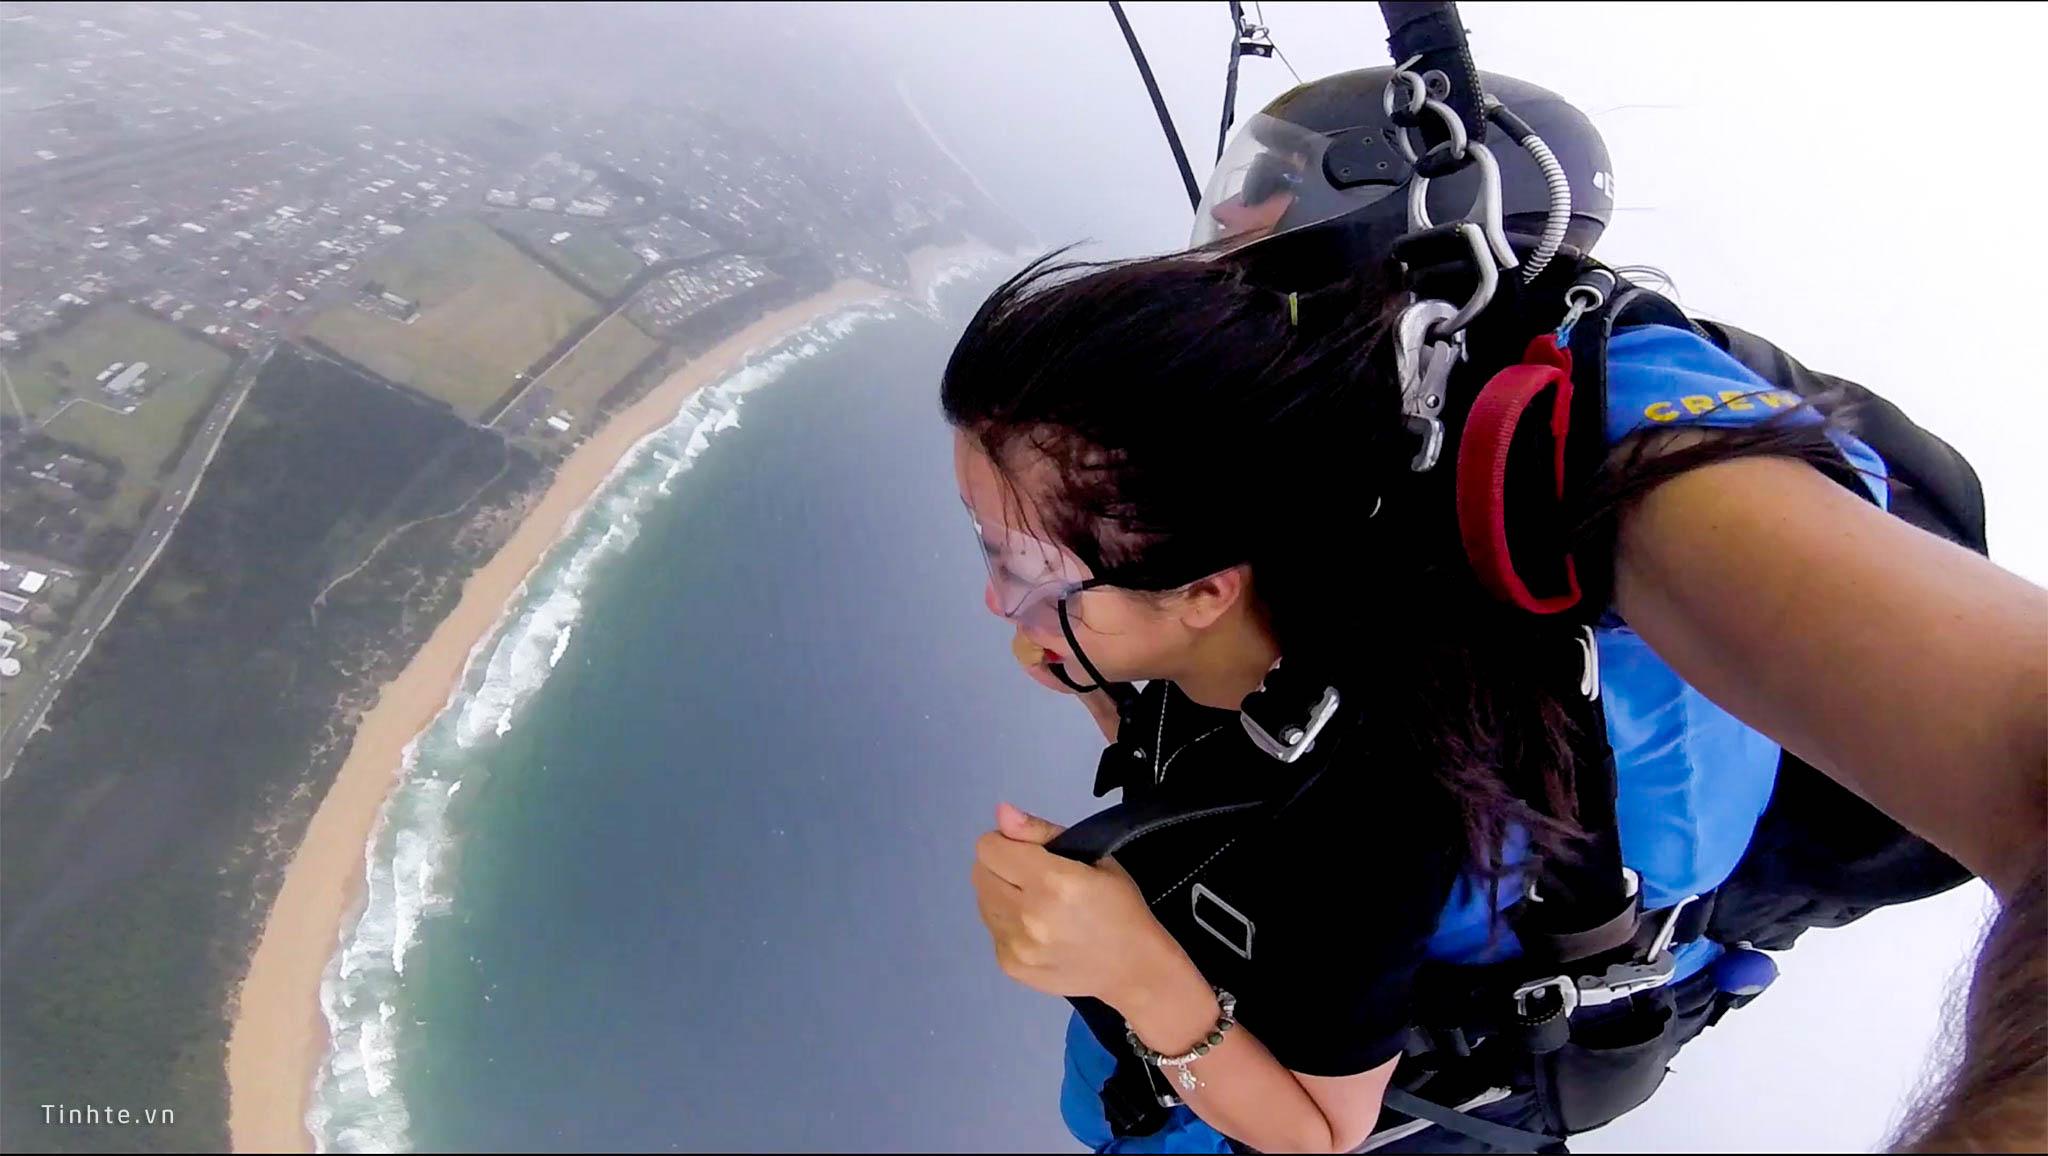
1482 293
1459 143
1416 84
1423 362
1487 208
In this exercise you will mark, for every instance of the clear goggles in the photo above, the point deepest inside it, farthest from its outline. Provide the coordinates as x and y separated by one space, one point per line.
1029 578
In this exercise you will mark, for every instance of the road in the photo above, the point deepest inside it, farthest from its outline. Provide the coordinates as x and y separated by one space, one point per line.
99 607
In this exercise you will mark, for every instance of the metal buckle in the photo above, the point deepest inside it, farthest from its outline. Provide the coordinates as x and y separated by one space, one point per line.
1423 365
1459 142
1488 273
1589 669
1487 209
1294 741
1567 993
1623 980
1670 928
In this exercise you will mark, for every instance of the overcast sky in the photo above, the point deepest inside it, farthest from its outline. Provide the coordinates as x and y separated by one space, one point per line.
1825 175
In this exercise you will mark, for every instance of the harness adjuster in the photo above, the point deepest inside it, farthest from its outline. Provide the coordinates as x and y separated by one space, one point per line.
1527 1005
1615 983
1295 737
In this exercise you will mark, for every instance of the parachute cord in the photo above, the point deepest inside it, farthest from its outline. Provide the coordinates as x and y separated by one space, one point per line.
1180 156
1287 62
1230 77
1261 10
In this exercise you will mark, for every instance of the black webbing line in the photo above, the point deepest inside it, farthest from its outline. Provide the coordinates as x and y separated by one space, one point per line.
1180 156
1486 1132
1230 76
1583 896
1431 30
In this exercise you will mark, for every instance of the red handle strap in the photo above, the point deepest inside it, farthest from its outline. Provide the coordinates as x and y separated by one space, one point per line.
1483 471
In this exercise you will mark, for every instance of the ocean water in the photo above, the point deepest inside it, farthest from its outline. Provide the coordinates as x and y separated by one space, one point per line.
683 865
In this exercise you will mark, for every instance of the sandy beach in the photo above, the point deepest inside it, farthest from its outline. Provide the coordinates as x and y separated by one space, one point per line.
279 1035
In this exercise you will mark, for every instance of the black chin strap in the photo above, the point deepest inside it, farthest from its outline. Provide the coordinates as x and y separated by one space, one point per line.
1122 694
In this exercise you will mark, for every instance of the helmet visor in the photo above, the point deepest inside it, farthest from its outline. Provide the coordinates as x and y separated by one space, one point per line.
1271 179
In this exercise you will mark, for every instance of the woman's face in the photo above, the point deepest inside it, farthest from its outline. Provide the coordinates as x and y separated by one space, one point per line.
1128 635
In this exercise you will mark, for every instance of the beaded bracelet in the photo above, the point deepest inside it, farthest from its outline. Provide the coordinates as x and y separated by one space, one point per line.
1227 1019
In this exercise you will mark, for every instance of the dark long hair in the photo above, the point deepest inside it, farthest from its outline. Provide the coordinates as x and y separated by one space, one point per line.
1197 418
1992 1092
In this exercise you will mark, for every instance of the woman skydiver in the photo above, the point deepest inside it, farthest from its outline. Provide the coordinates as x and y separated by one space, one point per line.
1420 674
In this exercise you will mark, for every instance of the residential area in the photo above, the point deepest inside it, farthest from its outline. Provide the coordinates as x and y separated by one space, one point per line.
173 215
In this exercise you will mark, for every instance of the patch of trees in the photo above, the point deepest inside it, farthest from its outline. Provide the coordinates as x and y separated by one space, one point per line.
132 888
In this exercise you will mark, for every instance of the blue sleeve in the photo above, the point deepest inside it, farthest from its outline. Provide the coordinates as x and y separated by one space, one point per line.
1088 1066
1659 375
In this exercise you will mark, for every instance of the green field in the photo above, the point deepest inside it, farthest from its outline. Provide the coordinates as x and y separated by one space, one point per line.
588 255
40 379
487 312
184 375
600 362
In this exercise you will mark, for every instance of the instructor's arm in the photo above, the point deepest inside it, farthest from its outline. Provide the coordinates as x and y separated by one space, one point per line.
1907 668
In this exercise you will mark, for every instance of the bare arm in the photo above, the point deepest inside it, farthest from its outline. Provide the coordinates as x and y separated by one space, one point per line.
1907 668
1244 1092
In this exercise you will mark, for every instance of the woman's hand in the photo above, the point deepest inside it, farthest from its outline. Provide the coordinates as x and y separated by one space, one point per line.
1032 657
1061 927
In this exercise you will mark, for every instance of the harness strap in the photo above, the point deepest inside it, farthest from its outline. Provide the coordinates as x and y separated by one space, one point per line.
1464 1124
1585 905
1134 1101
1432 31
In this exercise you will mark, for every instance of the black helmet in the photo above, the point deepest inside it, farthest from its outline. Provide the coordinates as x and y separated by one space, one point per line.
1328 148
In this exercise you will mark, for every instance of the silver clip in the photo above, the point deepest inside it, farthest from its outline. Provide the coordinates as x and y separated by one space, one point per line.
1488 271
1293 741
1567 993
1623 980
1670 929
1486 208
1654 970
1459 142
1423 362
1589 672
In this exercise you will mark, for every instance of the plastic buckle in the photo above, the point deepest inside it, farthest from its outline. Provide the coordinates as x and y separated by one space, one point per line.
1293 741
1423 364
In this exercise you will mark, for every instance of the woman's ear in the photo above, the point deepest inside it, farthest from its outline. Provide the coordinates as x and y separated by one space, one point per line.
1204 602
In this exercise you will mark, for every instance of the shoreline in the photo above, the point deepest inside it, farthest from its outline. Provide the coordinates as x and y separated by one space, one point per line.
278 1038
